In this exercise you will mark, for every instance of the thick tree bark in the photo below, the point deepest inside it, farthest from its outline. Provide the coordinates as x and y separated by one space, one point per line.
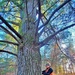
29 61
29 58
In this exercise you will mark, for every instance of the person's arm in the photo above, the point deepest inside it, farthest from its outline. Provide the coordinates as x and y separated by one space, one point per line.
44 73
47 73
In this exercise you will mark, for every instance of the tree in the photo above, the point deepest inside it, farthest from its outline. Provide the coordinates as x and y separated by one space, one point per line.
30 30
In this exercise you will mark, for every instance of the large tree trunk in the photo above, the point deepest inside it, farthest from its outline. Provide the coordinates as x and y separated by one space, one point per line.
29 58
29 61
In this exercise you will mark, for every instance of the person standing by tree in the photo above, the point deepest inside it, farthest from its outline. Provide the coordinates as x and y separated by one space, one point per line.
48 70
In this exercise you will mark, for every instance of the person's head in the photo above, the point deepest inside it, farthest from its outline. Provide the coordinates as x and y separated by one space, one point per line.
48 65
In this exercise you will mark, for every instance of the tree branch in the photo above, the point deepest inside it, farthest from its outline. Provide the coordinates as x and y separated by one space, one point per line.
45 41
7 31
58 8
50 25
39 17
9 42
8 52
50 7
68 56
10 27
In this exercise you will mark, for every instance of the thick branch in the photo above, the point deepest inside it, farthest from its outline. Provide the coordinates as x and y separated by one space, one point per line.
45 41
50 24
39 17
10 27
8 52
39 11
9 42
7 31
58 8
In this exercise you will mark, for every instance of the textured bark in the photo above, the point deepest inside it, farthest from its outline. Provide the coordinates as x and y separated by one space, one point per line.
29 61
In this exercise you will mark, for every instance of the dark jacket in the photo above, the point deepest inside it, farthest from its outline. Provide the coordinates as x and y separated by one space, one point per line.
50 70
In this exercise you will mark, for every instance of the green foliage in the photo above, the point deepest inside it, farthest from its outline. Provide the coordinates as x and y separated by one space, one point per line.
20 29
7 65
2 3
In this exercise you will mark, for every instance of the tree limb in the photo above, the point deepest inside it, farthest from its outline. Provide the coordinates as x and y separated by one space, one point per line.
58 8
8 52
68 56
50 7
50 25
10 27
9 42
39 16
7 31
45 41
